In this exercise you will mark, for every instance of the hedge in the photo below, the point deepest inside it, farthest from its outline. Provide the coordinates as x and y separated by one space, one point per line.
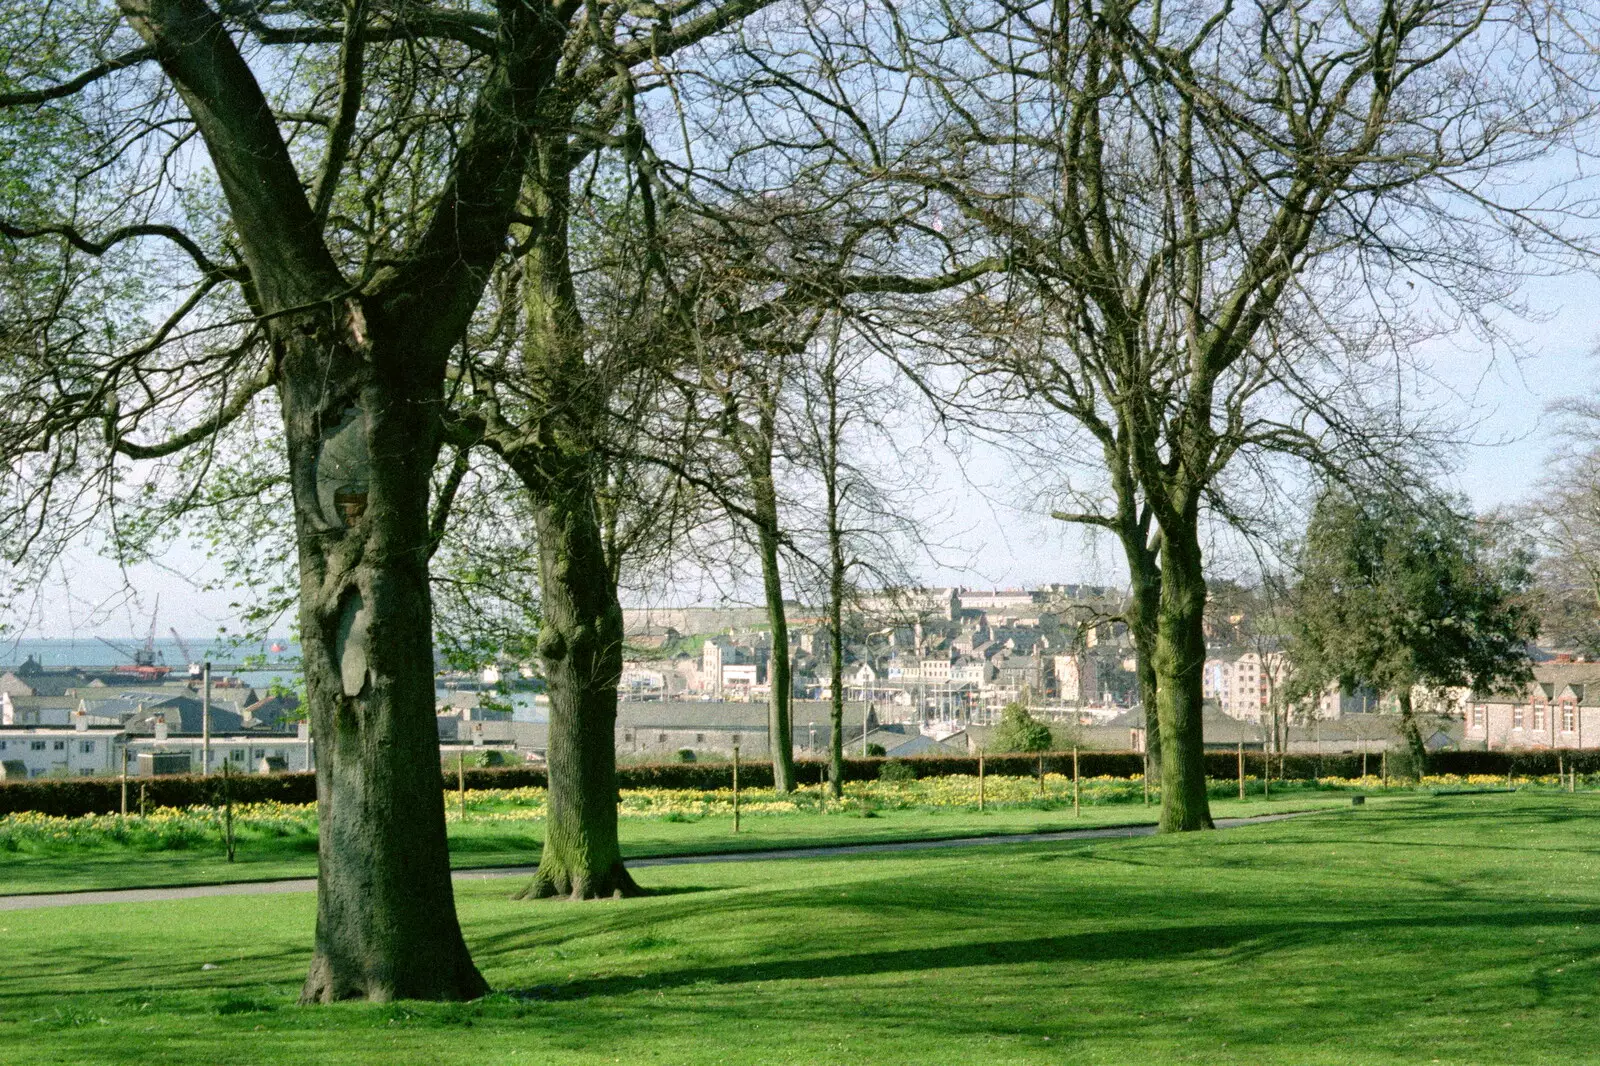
102 795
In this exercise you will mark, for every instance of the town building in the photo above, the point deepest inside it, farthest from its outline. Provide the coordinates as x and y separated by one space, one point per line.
1559 708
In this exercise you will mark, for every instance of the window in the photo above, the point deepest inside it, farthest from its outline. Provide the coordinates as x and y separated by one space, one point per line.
1477 716
1569 716
736 738
87 747
37 745
661 738
237 755
2 745
1538 716
699 738
60 745
260 753
85 771
1516 718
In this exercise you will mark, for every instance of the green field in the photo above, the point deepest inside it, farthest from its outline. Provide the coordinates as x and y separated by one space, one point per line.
1450 929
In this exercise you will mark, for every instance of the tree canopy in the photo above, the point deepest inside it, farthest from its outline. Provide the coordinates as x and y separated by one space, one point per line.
1398 591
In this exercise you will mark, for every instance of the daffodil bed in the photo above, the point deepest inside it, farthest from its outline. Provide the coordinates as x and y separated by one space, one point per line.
166 846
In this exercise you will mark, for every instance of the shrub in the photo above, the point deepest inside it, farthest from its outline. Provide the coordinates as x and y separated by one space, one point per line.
876 750
897 771
686 755
1020 731
1403 763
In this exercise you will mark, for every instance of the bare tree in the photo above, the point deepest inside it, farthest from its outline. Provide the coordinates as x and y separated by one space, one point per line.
1566 506
1215 220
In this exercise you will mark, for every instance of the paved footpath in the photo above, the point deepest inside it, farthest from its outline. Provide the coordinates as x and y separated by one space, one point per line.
309 884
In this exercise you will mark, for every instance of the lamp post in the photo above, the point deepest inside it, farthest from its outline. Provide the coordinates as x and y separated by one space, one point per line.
205 719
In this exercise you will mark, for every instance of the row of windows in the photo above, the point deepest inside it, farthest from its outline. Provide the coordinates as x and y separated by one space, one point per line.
1520 717
661 738
85 746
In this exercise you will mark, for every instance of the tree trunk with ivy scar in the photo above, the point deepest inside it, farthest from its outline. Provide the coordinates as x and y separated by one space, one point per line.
1178 663
580 643
361 447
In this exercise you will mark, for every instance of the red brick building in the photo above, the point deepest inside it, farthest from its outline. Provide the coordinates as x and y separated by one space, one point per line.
1559 708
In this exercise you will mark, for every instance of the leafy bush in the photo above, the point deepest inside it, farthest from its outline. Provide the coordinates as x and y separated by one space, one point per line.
1020 731
1404 764
876 750
897 771
686 755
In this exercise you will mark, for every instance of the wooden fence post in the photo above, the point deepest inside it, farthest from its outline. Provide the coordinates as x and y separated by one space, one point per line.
1241 769
1076 813
980 780
227 806
461 784
736 788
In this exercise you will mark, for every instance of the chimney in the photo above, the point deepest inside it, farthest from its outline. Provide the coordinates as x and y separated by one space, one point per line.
161 728
80 720
302 731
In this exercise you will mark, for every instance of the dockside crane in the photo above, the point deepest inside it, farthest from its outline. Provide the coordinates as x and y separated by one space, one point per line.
195 669
145 661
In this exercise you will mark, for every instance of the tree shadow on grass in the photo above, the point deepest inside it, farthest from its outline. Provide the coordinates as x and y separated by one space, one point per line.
1156 945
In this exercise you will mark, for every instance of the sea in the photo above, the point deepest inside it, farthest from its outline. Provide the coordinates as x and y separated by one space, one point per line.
277 660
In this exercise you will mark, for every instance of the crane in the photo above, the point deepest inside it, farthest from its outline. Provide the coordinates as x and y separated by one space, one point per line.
148 658
194 664
144 659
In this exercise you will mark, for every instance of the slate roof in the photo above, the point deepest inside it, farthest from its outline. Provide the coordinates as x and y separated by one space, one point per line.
924 745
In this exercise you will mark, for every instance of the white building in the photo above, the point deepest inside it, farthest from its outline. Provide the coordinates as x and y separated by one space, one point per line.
86 751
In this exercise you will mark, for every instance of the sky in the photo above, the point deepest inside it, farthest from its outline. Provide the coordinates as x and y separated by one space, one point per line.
990 541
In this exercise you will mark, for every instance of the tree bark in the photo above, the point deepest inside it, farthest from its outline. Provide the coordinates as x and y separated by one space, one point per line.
580 643
1411 731
580 633
386 922
1178 663
836 565
1144 607
780 736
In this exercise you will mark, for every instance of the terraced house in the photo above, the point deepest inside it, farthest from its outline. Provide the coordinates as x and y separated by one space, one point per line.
1559 708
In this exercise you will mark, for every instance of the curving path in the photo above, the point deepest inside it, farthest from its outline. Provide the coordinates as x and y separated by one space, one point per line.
309 884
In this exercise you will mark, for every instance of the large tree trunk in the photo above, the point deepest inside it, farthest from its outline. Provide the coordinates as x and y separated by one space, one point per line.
1178 662
580 642
1144 607
361 449
779 734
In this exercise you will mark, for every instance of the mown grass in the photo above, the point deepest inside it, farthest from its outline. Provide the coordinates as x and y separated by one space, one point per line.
1454 929
493 835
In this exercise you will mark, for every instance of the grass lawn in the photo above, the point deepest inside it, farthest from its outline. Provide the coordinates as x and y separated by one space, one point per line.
514 843
1461 929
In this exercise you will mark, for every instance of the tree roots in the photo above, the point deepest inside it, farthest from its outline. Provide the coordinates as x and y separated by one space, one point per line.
551 883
